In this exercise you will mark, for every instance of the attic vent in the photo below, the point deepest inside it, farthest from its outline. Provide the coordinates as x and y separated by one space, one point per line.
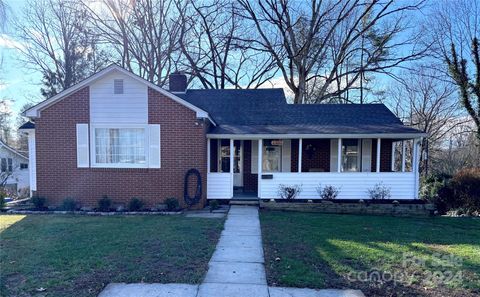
118 86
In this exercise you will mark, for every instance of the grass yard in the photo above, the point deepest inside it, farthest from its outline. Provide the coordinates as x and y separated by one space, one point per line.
363 252
79 255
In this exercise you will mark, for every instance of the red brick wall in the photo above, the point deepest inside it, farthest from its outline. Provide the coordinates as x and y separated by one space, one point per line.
294 155
319 158
183 146
385 155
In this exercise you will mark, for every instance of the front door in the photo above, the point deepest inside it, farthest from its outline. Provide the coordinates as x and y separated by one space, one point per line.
238 163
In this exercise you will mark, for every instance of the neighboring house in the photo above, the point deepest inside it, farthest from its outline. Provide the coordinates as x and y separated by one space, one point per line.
14 170
116 134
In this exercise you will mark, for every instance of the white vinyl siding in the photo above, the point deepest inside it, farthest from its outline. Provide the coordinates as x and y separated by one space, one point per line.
129 107
353 185
82 146
219 185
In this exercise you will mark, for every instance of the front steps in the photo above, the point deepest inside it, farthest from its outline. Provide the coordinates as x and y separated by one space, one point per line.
245 201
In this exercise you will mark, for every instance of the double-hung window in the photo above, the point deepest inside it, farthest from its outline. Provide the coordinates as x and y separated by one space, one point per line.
7 165
350 155
120 146
272 156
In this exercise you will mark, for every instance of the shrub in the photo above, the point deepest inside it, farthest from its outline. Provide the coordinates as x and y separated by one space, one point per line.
289 192
135 204
213 204
436 189
379 191
104 203
172 204
328 192
466 188
39 202
3 195
69 204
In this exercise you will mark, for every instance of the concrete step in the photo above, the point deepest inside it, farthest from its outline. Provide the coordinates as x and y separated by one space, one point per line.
253 202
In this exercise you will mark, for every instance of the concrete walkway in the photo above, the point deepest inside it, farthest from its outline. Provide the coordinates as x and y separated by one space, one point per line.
236 268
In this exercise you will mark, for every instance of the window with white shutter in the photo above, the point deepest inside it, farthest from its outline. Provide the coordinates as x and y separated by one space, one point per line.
125 146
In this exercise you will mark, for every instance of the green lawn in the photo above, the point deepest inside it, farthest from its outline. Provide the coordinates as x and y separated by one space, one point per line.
343 251
79 255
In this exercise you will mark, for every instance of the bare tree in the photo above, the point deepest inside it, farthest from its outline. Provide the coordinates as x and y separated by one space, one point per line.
469 89
213 51
429 104
144 34
3 15
326 46
454 28
452 22
460 151
5 121
57 43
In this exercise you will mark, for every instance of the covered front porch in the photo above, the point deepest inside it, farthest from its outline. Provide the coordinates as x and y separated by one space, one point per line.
255 166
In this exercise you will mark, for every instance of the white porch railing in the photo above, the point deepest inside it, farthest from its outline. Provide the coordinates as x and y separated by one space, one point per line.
219 185
352 185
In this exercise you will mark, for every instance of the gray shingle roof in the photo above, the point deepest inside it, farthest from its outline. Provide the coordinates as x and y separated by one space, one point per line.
265 111
27 125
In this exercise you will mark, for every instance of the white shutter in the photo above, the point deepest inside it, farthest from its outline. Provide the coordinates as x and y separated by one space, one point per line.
366 155
286 155
333 155
254 157
83 156
154 146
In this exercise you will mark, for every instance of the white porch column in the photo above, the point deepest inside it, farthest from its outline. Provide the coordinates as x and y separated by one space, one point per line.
300 144
339 155
393 157
32 161
415 166
403 156
260 157
378 154
231 167
208 155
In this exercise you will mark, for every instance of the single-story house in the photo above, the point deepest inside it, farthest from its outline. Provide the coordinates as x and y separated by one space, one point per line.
119 135
14 173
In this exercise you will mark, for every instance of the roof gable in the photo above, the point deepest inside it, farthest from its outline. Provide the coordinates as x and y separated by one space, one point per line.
11 149
35 111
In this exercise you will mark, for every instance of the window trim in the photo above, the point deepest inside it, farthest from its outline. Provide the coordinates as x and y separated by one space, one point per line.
8 165
358 152
93 162
264 154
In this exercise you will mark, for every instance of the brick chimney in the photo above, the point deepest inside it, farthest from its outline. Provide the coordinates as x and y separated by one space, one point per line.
177 82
